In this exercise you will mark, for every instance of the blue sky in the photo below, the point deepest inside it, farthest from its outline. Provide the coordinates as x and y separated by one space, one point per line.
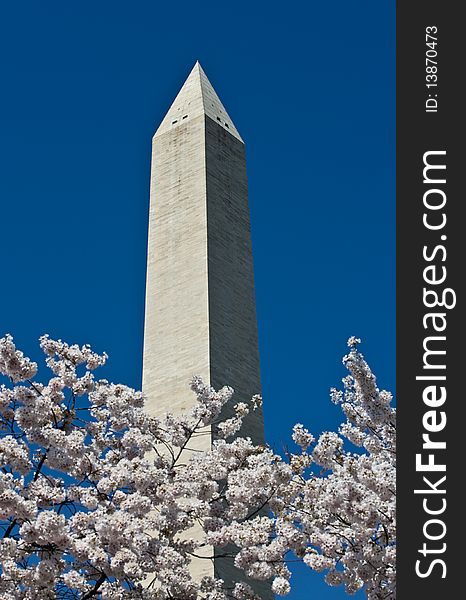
311 88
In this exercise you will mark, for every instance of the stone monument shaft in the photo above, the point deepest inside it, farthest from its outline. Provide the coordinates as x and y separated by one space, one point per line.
200 314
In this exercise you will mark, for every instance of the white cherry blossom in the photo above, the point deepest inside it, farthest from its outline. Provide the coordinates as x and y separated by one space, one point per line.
96 501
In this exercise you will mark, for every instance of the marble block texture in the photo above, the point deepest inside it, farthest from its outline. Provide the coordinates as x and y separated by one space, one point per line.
200 315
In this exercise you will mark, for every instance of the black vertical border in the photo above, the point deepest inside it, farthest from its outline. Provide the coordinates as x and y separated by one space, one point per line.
418 132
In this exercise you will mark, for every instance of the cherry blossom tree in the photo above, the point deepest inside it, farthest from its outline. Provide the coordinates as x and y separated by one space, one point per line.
98 499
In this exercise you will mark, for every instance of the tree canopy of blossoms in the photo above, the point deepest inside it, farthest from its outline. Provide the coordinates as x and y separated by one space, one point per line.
98 499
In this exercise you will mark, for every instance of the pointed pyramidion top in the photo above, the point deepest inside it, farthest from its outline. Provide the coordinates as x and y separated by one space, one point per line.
197 97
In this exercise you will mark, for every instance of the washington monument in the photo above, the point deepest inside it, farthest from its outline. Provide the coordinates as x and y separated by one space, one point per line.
200 316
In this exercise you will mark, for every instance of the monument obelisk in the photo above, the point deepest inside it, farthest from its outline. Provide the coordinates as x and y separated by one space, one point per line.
200 316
